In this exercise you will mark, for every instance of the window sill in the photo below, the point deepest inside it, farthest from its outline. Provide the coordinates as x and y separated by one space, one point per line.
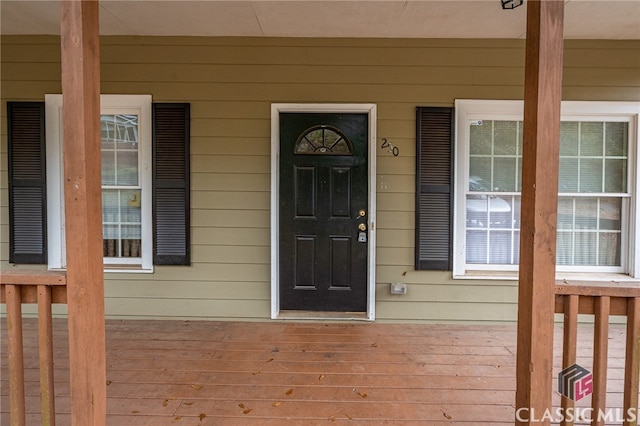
600 277
126 269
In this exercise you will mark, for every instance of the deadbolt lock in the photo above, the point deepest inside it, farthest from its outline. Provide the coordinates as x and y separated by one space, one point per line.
362 213
362 227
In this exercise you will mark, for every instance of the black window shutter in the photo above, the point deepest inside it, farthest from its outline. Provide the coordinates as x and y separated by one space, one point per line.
27 183
434 188
171 205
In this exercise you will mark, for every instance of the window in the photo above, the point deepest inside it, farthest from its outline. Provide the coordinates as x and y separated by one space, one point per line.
323 139
596 202
125 146
134 132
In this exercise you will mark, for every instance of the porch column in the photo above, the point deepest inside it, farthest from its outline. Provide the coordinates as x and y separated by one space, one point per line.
536 294
83 210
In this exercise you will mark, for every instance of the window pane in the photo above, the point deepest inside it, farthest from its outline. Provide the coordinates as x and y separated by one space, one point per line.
506 137
121 223
615 176
586 213
568 175
480 174
127 168
590 175
119 149
609 249
585 248
505 174
565 213
568 138
610 209
591 137
477 247
500 247
564 248
616 139
108 165
481 136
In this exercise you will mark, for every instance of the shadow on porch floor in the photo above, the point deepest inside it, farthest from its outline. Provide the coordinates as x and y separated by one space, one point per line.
273 373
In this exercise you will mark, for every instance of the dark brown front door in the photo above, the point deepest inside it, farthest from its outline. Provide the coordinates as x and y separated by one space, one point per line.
323 211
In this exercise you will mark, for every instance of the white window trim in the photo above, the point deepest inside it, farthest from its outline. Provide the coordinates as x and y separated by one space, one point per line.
471 110
137 104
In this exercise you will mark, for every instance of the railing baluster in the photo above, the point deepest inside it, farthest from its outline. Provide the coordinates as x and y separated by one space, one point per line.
16 360
45 348
632 362
569 346
600 356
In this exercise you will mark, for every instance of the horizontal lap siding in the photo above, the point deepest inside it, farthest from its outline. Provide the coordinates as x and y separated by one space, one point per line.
230 84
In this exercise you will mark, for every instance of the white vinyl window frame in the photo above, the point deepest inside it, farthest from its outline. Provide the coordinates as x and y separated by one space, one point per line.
139 105
471 111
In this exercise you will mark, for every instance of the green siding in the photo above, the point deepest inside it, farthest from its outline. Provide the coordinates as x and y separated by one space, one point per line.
231 82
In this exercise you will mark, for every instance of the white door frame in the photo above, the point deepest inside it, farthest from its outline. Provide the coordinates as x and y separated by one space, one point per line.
276 109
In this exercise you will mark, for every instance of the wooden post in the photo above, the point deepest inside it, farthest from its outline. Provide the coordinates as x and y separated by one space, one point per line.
16 355
536 295
83 210
632 363
45 349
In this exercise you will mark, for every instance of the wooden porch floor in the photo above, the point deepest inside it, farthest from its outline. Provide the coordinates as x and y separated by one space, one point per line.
274 373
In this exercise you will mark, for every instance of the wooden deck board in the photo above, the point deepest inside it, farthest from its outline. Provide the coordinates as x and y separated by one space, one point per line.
274 373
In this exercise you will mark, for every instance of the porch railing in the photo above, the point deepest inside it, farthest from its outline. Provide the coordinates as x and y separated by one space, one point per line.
602 301
44 288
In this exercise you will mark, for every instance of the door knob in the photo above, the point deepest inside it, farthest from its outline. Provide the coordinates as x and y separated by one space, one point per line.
361 213
362 227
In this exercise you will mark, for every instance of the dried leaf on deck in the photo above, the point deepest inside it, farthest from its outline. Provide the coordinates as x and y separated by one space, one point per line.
241 405
196 387
348 416
247 411
289 392
362 394
255 373
320 377
135 412
332 418
446 415
374 345
270 360
176 419
188 403
108 382
166 401
276 404
202 416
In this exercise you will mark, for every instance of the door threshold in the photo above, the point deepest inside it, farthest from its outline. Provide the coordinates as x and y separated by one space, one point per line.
322 315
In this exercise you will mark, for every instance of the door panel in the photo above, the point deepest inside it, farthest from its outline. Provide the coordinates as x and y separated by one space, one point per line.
323 186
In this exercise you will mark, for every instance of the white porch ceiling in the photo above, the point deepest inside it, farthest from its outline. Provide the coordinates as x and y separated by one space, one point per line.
584 19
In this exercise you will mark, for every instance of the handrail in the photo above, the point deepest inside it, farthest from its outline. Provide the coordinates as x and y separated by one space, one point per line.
602 300
44 288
